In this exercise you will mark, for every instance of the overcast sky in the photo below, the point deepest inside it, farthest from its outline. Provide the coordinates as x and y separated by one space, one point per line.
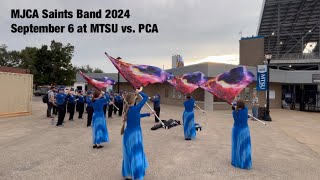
192 28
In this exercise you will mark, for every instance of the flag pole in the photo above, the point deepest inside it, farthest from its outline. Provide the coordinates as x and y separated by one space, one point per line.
153 111
199 108
257 119
118 82
114 106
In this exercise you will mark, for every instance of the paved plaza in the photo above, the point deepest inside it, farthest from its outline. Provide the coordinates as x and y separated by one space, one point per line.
32 148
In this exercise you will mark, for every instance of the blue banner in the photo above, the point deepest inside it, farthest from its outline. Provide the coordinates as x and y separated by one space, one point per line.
262 78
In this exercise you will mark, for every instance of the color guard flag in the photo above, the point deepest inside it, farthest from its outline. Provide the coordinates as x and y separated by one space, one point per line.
189 82
139 75
229 84
98 84
108 80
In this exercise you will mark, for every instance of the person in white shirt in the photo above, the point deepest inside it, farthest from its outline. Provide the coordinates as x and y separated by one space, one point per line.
50 101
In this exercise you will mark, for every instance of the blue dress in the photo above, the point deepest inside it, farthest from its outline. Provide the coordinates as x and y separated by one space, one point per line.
99 125
134 162
188 119
241 143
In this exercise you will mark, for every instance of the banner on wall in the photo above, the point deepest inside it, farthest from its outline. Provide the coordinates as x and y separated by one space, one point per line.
262 78
272 94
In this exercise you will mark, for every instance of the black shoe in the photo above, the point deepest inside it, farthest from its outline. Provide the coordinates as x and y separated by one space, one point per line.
100 146
187 139
94 146
70 119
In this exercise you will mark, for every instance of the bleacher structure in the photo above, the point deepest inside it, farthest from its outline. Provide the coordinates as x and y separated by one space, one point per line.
291 31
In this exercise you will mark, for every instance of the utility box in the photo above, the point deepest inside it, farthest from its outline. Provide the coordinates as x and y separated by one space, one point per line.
16 93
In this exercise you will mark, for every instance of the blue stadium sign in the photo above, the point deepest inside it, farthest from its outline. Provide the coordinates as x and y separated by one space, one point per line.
262 78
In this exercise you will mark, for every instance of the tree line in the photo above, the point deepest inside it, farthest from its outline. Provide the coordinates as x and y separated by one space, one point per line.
49 64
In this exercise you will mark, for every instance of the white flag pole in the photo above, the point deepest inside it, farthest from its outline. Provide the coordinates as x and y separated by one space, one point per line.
257 119
153 111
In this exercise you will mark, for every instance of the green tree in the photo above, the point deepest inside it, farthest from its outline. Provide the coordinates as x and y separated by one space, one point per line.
9 58
88 69
85 69
44 67
63 70
97 70
28 56
3 55
49 64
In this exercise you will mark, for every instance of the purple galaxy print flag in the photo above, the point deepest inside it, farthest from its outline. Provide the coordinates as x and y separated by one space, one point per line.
189 82
229 84
95 83
109 80
140 75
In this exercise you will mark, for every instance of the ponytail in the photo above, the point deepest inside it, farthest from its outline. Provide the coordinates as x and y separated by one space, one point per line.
126 108
129 101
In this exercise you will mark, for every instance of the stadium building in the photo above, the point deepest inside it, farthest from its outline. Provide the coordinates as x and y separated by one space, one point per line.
289 31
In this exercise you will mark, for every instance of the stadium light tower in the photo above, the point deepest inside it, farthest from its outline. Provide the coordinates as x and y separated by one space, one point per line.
267 115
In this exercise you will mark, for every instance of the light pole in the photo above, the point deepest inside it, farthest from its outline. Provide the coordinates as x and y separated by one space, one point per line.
119 58
267 115
118 82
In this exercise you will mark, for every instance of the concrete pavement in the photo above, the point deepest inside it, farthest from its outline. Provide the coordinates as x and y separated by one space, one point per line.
288 148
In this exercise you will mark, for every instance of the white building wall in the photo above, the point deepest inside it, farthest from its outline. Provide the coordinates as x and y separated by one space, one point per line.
83 85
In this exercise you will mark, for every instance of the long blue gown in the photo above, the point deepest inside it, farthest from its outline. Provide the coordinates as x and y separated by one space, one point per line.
134 162
241 143
99 125
188 119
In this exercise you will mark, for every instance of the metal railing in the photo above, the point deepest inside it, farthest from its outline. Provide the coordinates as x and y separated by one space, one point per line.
300 56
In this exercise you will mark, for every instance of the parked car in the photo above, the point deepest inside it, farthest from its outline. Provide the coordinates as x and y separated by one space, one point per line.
42 90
